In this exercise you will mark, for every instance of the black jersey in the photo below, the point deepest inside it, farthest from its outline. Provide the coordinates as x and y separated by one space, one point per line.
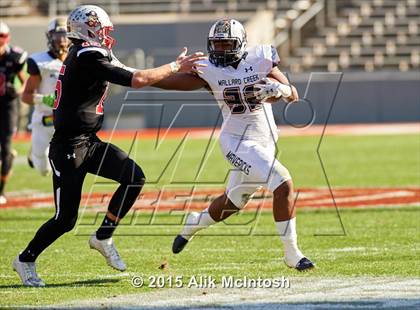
82 88
11 63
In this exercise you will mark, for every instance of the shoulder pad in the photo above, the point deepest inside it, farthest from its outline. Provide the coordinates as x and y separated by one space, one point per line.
268 52
93 49
17 50
19 54
91 43
37 57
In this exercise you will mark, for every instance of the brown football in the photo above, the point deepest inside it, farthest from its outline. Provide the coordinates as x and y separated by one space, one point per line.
272 99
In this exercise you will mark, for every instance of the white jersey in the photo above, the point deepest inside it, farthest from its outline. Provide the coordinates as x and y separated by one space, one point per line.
48 68
243 115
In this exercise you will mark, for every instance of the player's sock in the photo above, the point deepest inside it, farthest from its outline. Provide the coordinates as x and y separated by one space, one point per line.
287 232
3 181
195 222
107 229
27 256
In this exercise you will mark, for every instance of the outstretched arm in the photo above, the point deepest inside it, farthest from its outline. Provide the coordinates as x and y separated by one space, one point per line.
97 61
181 81
182 65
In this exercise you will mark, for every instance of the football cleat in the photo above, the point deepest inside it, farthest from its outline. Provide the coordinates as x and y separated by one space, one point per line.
179 244
3 200
303 264
107 249
27 273
29 158
30 162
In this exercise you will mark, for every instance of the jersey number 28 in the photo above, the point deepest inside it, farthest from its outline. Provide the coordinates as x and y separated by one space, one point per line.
233 99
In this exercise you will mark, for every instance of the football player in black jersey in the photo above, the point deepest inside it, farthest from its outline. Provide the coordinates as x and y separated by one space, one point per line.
12 60
75 149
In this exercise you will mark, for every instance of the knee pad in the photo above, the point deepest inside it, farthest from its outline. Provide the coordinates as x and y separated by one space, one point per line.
241 194
279 175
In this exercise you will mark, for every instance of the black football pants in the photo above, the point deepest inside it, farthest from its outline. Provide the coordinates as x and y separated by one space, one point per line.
8 114
70 164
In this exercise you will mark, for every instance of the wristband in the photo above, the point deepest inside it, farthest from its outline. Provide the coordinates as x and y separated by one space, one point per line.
174 67
38 98
285 90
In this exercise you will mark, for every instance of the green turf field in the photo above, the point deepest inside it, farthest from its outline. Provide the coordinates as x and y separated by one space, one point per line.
378 242
348 160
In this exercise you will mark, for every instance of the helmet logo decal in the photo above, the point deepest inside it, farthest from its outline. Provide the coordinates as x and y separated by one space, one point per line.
222 27
93 19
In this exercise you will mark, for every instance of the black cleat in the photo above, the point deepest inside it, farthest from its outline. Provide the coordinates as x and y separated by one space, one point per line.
29 158
179 244
30 162
304 264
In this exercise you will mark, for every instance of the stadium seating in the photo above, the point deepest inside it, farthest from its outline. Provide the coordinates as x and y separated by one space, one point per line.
344 35
14 8
367 35
171 6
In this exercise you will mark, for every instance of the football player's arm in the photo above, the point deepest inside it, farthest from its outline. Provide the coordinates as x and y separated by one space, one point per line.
117 73
21 60
29 95
21 76
276 74
183 64
182 81
31 85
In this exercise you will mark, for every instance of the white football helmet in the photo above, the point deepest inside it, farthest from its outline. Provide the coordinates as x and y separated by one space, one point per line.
4 29
57 36
4 33
226 42
92 24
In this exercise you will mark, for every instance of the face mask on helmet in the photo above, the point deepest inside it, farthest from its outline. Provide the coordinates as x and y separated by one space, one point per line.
57 42
105 35
224 51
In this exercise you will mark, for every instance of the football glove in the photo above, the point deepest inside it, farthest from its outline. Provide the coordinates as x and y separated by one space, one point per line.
271 89
48 100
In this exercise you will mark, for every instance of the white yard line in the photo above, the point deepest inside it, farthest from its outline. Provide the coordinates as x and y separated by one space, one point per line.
309 292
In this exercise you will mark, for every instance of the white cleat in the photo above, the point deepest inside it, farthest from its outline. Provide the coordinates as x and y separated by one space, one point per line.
27 273
107 249
3 200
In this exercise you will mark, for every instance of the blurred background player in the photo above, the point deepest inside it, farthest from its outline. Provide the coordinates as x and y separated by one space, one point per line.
12 60
44 69
248 137
75 149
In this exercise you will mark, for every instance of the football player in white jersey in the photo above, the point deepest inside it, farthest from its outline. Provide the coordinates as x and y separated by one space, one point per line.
242 81
43 69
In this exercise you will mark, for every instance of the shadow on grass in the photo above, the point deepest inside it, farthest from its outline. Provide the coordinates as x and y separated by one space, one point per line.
93 282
